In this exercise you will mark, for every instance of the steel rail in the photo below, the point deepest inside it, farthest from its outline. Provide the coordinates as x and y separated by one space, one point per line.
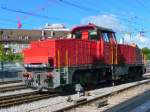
17 99
9 82
12 88
72 106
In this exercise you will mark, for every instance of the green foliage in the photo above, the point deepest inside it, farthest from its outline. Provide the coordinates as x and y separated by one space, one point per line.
18 56
1 52
148 56
146 52
8 55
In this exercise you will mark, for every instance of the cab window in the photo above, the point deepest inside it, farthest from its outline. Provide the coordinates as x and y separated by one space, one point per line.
105 36
93 35
113 36
78 35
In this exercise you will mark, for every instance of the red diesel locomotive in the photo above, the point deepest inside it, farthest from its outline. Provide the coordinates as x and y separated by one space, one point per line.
92 55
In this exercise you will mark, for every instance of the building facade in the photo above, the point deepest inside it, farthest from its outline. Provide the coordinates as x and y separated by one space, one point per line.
18 39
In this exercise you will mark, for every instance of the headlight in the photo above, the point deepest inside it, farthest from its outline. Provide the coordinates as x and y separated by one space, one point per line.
26 65
43 65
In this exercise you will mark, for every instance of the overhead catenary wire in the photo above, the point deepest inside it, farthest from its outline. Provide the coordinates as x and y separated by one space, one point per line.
34 12
30 13
87 9
47 17
67 2
12 22
143 5
131 20
23 12
139 19
139 2
41 7
128 19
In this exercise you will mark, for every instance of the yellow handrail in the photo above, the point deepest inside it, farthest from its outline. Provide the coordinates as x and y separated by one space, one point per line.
112 54
116 53
58 59
66 58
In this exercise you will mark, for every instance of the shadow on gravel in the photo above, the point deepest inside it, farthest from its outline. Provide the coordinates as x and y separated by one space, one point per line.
131 104
70 90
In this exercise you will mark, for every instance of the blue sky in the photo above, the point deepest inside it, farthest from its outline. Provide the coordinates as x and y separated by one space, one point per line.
128 15
125 10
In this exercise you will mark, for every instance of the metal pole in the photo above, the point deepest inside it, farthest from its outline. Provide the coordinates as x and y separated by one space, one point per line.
2 67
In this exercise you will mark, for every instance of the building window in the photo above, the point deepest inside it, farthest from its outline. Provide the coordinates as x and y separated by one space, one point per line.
26 37
5 37
14 50
20 37
29 37
52 34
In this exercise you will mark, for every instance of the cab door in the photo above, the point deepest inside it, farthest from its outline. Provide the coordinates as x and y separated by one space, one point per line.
109 47
106 48
113 45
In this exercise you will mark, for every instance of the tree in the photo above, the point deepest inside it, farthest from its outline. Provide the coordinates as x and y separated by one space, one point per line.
18 56
1 52
148 56
146 52
8 55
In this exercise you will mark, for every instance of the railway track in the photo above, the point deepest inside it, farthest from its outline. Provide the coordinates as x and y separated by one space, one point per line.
11 100
12 88
10 82
86 101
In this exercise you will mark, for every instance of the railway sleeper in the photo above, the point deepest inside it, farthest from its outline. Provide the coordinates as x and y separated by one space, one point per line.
22 100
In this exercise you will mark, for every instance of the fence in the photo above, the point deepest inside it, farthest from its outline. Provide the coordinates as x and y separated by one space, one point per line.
9 70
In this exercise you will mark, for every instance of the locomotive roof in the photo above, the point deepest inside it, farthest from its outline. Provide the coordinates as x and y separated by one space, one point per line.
92 26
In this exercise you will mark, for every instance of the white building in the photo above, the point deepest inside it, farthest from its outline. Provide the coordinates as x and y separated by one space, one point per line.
18 39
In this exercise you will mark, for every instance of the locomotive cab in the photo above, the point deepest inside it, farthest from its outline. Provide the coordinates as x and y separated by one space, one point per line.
86 33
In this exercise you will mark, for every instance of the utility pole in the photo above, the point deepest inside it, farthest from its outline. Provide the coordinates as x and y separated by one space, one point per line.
2 68
2 63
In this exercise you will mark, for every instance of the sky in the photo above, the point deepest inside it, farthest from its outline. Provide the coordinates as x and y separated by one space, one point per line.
124 16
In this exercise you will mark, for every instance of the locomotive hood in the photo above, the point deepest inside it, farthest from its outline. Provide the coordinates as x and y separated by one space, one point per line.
39 52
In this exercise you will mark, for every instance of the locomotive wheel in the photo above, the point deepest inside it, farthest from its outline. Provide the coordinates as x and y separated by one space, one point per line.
92 77
109 76
85 78
135 73
139 73
131 75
